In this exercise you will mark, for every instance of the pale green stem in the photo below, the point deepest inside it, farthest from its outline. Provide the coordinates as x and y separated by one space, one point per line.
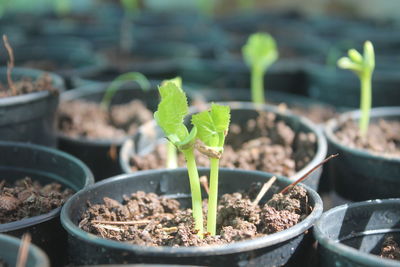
366 102
257 85
172 160
197 208
213 197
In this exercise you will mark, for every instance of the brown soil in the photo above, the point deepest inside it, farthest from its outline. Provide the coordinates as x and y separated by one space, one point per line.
87 119
26 86
390 249
27 198
152 220
315 113
383 137
265 144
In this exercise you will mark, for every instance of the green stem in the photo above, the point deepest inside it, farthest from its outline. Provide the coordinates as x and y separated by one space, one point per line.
257 85
197 207
213 197
366 102
172 160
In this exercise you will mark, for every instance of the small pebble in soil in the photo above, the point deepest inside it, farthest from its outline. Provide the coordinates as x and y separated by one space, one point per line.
27 85
151 220
390 249
27 198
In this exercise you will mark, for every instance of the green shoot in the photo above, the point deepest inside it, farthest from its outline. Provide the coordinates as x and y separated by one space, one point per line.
121 80
170 117
259 53
206 7
212 127
172 159
130 6
363 66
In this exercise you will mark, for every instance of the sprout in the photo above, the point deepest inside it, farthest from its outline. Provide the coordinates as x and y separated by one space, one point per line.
212 127
259 53
170 116
363 66
119 81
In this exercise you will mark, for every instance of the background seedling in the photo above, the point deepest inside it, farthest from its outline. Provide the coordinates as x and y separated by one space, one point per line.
363 66
259 53
131 10
212 127
170 115
121 80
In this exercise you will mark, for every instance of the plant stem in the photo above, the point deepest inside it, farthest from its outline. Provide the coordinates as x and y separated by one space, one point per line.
213 197
366 101
172 160
257 85
197 208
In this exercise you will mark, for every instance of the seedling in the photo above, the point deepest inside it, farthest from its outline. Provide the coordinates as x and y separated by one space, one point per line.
172 159
363 66
212 127
259 53
121 80
170 115
131 9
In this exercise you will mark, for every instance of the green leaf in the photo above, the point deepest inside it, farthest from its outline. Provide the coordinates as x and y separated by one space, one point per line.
172 110
369 55
177 80
212 125
260 51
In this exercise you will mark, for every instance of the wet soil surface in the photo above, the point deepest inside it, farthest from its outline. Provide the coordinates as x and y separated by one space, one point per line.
151 220
27 85
390 249
263 144
383 137
27 198
87 119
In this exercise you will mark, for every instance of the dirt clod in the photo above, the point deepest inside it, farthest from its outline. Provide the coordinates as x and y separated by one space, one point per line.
390 249
27 85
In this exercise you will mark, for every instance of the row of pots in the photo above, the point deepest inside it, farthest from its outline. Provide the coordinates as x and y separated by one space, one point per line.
341 232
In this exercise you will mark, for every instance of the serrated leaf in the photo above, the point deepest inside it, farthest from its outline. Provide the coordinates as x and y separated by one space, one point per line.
172 110
260 51
221 116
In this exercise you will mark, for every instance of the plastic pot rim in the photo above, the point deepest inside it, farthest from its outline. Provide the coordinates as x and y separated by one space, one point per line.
349 252
333 124
15 225
256 243
33 249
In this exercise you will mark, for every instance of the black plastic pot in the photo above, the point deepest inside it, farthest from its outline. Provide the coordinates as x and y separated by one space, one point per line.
349 235
96 153
150 134
330 84
29 117
67 57
284 75
18 160
289 247
9 253
359 174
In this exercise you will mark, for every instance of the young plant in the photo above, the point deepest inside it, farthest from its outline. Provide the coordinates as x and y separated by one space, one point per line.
119 81
170 116
259 53
131 9
212 127
172 159
363 66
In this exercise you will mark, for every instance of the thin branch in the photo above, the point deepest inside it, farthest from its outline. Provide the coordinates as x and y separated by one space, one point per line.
10 64
284 190
23 250
122 222
264 190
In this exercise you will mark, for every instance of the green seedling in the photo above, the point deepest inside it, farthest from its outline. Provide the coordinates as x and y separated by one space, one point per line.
170 116
121 80
363 66
259 53
172 159
212 127
131 10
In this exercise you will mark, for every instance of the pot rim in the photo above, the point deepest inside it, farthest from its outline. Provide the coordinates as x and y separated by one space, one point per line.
333 124
58 83
15 225
260 242
34 251
320 153
349 252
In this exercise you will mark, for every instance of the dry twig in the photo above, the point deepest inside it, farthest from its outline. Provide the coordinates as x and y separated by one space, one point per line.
10 64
